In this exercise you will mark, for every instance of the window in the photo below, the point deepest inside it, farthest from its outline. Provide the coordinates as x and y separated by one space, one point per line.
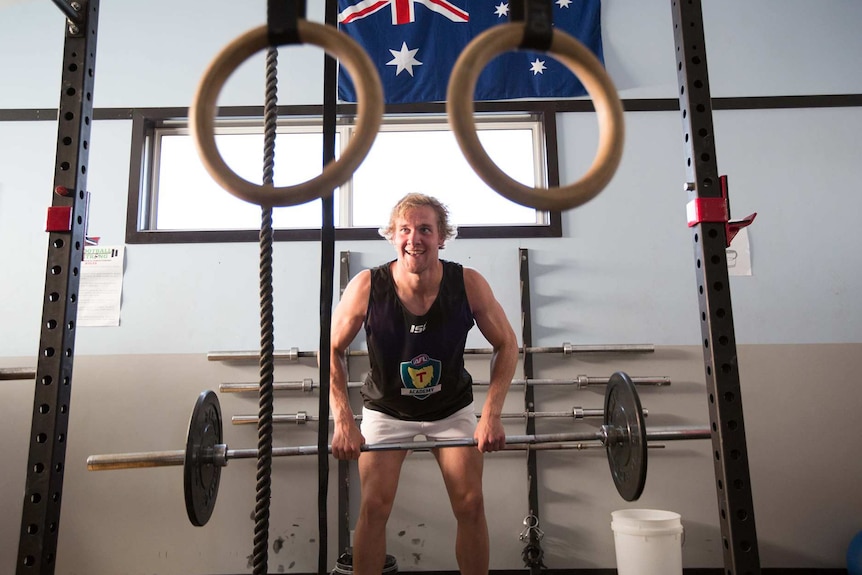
173 199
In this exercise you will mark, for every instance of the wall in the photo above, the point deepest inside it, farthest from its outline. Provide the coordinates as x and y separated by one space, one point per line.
622 273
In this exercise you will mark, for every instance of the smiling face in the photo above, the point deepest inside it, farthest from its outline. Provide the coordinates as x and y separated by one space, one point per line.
416 237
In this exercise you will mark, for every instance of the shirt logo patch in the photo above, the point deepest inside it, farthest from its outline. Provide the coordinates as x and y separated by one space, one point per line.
420 376
414 328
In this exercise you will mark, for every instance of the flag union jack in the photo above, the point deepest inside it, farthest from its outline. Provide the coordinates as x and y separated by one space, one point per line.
415 48
403 11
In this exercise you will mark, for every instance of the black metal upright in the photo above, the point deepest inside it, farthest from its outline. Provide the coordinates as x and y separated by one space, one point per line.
344 465
532 554
66 225
708 218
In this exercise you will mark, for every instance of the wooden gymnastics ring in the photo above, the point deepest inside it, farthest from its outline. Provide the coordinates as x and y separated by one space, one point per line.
580 61
369 113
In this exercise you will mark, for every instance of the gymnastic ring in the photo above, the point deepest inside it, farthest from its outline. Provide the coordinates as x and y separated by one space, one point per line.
369 115
580 61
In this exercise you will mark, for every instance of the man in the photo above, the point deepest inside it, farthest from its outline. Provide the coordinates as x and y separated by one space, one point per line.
417 310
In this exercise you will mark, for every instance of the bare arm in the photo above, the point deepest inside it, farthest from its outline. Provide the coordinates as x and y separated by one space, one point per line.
346 322
494 325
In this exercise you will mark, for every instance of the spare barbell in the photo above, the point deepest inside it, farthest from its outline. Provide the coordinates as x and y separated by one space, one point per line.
302 417
623 434
579 381
294 353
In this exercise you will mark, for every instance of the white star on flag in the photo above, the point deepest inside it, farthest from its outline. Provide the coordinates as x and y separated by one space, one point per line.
563 3
537 67
404 59
502 10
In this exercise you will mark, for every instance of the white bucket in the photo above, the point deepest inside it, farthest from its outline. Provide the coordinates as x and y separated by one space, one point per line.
647 541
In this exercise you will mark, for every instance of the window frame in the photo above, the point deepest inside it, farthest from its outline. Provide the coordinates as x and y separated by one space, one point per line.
143 170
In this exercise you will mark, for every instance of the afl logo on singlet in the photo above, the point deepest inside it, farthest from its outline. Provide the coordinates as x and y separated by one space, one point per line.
420 376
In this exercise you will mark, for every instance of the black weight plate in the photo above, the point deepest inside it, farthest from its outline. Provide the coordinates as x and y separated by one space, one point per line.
200 474
627 442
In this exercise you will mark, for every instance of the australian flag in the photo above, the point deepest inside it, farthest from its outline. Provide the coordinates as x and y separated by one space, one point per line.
414 44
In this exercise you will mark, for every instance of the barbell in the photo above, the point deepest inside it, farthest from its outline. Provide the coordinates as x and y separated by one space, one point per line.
579 381
302 417
623 434
294 353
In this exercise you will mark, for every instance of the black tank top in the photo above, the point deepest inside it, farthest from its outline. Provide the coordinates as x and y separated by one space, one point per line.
417 362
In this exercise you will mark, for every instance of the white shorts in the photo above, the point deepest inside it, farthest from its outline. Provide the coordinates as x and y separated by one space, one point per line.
379 427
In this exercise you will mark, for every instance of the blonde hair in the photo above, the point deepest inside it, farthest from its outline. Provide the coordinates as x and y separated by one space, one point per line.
415 200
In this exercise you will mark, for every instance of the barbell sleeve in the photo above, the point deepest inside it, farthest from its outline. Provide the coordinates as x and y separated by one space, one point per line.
136 460
13 373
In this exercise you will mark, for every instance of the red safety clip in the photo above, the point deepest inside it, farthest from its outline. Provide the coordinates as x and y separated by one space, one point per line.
716 210
59 219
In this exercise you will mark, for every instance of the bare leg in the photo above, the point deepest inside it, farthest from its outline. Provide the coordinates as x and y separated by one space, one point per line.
462 473
378 477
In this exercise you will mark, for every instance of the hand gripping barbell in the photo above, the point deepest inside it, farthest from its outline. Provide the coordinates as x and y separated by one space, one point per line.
623 435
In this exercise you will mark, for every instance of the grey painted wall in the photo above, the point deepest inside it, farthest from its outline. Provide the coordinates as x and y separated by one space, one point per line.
622 273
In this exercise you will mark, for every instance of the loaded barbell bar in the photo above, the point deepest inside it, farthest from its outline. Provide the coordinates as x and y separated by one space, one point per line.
579 381
623 434
302 417
293 354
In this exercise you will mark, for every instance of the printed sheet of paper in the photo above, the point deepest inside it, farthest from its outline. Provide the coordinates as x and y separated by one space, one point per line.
739 255
101 286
